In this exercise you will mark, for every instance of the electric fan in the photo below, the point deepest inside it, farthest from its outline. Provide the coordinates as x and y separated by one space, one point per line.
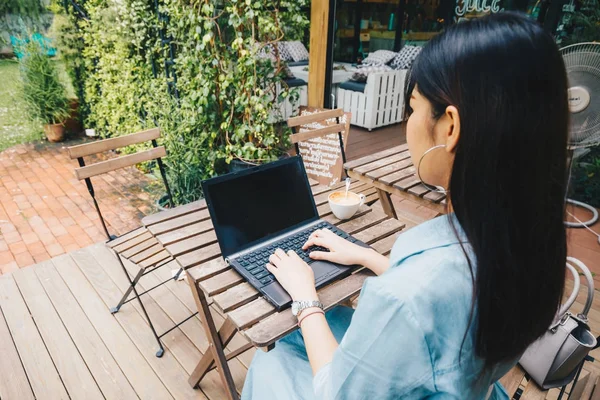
582 62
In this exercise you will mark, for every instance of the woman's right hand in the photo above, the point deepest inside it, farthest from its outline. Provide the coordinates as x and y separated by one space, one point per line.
341 251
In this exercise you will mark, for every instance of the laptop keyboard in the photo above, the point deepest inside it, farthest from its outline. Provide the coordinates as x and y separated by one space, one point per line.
255 262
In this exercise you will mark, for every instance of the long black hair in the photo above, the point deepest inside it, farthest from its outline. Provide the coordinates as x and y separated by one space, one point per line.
506 76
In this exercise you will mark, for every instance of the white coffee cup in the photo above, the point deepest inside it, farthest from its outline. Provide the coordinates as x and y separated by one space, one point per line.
344 205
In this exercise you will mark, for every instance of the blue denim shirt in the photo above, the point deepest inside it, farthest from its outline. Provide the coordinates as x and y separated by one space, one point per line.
405 339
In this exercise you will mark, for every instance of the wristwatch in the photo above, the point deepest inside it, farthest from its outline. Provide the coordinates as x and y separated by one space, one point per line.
299 306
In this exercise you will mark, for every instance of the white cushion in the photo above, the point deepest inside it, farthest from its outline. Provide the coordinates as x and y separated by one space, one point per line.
405 57
379 57
297 50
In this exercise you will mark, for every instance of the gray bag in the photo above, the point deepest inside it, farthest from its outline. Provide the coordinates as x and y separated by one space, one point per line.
552 361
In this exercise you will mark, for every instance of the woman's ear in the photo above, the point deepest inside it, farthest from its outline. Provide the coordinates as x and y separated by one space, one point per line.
452 128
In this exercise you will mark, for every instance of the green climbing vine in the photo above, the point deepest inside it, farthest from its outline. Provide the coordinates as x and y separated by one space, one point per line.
227 92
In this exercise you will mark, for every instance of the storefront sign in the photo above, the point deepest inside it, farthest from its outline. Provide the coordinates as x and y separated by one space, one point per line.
478 6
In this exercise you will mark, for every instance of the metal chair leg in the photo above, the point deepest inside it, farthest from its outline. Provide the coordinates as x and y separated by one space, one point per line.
177 274
132 284
128 291
161 349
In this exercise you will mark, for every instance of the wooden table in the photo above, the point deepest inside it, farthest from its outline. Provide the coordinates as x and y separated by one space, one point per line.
187 234
392 172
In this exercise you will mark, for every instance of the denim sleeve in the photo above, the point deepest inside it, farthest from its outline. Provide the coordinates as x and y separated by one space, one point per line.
383 354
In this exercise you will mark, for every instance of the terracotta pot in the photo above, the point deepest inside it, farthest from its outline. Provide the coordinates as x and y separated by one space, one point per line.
55 132
163 203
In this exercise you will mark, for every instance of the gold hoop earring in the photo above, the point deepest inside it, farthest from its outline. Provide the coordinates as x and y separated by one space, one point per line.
433 188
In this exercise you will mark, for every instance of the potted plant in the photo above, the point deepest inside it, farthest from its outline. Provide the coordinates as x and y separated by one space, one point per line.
43 92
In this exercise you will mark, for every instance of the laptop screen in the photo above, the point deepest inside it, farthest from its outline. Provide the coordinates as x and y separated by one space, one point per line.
258 203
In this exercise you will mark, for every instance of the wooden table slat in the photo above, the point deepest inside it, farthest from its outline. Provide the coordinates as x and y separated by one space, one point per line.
397 176
379 231
319 189
388 169
251 313
384 246
179 222
419 190
175 212
221 282
407 183
358 224
208 269
192 243
372 198
199 256
236 297
382 163
434 196
373 157
185 232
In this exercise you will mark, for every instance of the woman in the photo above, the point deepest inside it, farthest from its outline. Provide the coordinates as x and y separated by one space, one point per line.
462 295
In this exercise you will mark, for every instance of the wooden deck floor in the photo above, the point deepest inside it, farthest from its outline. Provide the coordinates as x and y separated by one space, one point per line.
58 339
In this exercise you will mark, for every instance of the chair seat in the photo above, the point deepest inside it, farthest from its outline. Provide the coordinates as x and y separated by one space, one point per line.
141 248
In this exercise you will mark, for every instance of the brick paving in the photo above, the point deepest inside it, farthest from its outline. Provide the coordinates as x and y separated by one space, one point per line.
45 211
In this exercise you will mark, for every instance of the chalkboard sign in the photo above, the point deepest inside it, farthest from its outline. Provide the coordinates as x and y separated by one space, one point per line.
322 156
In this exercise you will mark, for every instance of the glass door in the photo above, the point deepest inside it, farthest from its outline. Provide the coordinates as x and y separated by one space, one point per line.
359 27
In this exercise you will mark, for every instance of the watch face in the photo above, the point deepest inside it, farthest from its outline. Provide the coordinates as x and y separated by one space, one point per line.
295 307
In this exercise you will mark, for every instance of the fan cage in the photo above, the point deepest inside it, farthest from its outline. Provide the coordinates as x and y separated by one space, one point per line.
582 63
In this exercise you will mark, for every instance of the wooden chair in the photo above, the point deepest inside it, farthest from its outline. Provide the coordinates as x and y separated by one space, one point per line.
314 123
319 119
138 246
585 386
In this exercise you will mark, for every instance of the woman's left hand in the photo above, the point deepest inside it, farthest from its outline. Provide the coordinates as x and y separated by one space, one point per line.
295 275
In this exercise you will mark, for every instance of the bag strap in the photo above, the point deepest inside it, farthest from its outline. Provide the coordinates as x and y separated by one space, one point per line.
567 305
590 284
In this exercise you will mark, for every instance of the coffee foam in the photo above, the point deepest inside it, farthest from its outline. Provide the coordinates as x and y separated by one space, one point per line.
342 199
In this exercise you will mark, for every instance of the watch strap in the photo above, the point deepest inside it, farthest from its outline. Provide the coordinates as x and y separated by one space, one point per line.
304 304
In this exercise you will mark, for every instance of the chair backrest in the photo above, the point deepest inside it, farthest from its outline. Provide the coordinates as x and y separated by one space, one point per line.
321 157
85 172
101 146
319 118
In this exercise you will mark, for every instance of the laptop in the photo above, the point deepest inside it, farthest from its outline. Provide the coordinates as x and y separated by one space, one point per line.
260 209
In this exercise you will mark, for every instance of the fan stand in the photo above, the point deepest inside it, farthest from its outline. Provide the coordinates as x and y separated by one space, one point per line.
584 224
582 63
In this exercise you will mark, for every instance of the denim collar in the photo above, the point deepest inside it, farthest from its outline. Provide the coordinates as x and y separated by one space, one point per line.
432 234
